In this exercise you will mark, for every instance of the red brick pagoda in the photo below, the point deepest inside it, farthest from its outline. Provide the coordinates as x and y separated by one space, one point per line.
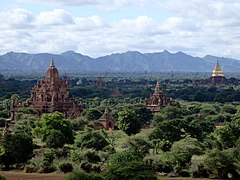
107 120
50 95
157 99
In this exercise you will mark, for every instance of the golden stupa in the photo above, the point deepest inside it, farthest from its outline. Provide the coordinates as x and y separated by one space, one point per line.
217 76
217 72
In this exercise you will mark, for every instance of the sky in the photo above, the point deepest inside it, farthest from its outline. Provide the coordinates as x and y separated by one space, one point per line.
102 27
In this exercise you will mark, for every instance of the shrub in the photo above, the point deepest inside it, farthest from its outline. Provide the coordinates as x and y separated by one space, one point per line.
76 175
30 168
62 152
4 114
2 122
48 157
188 144
17 148
129 170
66 167
122 157
78 124
55 139
91 138
2 178
90 167
184 173
47 169
200 172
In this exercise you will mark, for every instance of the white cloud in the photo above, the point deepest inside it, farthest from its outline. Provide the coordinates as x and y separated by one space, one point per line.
16 18
103 4
197 27
89 23
65 2
55 17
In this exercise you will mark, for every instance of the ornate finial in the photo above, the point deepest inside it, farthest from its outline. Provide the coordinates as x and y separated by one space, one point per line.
52 63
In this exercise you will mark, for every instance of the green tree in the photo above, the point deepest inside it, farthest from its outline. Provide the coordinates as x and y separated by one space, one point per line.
139 146
222 164
200 129
228 108
171 112
158 118
17 148
55 121
122 156
91 138
188 144
172 130
228 135
199 96
128 122
144 115
55 139
92 114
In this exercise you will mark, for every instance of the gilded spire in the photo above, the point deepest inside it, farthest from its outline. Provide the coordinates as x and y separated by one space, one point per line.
217 71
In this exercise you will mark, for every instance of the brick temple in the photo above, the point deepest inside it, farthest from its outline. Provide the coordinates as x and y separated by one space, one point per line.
157 99
106 120
50 95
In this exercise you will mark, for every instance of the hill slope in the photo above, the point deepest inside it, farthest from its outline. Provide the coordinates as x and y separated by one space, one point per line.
131 61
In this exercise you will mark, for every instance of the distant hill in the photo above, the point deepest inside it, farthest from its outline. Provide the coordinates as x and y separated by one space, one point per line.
131 61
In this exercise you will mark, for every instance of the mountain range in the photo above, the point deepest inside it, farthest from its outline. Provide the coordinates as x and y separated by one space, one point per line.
131 61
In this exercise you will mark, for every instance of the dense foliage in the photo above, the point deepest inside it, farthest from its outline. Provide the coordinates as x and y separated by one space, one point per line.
16 148
54 125
200 137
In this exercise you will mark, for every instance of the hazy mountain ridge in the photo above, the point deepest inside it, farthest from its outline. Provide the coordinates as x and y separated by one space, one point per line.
131 61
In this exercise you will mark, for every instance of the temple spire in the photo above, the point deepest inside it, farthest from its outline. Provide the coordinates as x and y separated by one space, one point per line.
52 63
217 70
106 110
157 88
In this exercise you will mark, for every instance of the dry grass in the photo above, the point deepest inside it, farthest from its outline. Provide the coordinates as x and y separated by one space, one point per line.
13 175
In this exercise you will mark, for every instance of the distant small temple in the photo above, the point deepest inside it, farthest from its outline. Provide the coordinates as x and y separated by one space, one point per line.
116 92
107 120
157 99
100 82
217 76
50 95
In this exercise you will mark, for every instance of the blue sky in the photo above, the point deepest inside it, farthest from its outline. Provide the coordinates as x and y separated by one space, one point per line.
101 27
